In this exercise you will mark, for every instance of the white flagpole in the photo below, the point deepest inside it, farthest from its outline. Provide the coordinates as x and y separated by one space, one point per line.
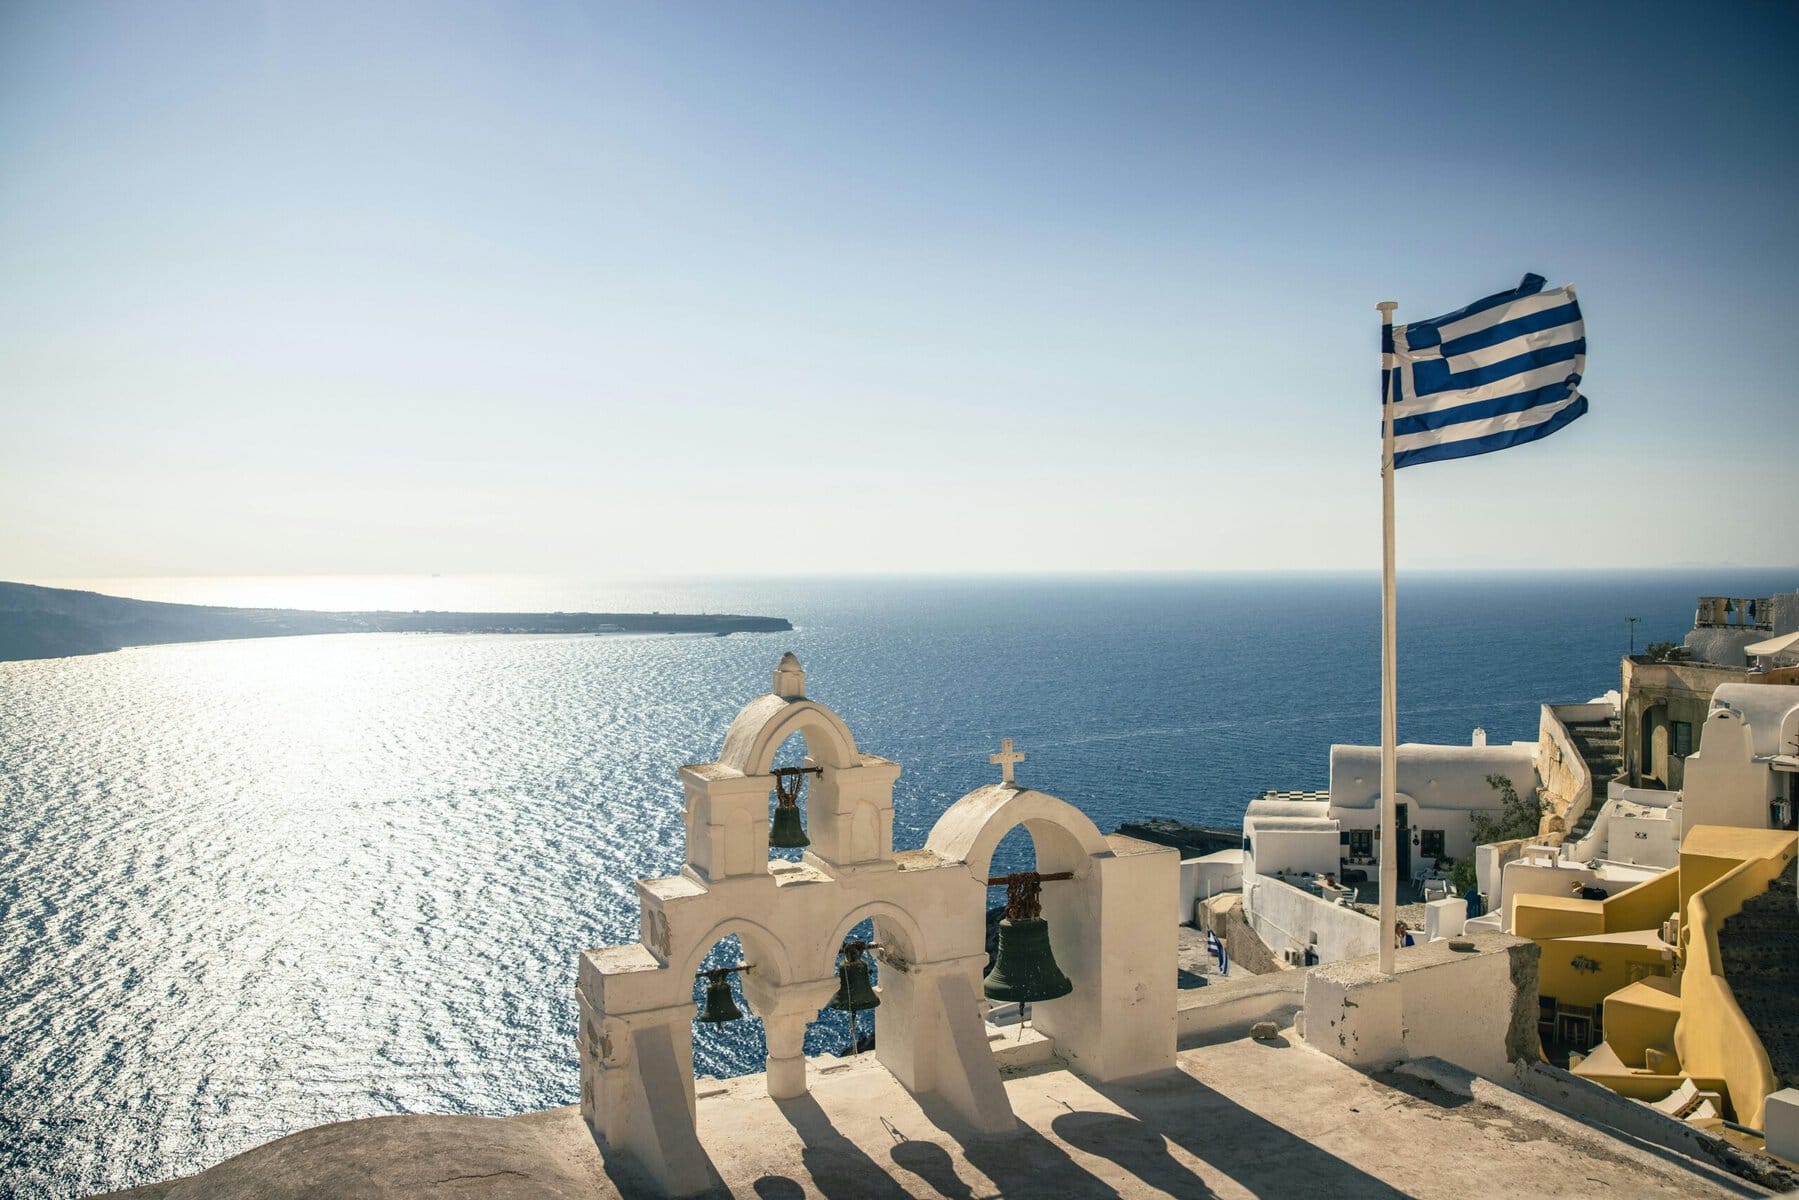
1389 705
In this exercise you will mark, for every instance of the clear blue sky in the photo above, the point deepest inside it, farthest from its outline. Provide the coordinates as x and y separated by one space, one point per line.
716 288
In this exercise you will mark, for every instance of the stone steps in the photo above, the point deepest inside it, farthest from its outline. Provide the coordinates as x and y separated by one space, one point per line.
1753 948
1599 745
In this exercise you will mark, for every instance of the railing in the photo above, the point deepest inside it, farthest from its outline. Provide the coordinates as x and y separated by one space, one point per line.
1734 612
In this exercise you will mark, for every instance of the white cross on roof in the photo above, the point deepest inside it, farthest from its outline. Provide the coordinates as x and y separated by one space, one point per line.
1006 759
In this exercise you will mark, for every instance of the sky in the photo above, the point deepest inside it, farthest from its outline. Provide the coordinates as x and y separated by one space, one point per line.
722 289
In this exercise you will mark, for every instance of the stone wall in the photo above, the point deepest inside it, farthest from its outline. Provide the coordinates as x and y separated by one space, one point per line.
1656 694
1223 915
1568 784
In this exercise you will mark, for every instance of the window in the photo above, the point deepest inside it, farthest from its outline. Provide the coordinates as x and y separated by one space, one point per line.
1361 843
1680 737
1430 843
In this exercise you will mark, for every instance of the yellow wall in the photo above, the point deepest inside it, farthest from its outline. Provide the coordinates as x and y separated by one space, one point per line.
1644 906
1720 868
1543 917
1558 976
1713 1037
1641 1017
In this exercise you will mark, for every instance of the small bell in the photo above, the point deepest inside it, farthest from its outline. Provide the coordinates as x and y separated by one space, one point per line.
720 1006
1024 968
785 829
854 994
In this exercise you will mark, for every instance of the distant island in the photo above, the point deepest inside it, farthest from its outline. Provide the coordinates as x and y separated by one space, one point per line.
41 622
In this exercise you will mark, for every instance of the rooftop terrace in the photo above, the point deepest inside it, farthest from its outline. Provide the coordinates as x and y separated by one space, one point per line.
1238 1119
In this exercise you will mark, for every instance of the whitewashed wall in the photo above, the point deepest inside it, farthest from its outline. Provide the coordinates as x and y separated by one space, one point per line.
1462 1008
1651 841
1284 916
1296 851
1723 784
1456 824
1523 879
1208 876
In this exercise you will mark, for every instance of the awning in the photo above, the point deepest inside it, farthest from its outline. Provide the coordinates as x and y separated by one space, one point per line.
1774 645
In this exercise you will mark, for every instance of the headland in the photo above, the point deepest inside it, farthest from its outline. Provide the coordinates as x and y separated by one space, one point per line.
44 622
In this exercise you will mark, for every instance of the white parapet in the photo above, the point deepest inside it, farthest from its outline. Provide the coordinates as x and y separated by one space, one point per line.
1472 1002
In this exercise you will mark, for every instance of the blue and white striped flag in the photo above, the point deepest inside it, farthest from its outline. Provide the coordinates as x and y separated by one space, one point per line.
1503 371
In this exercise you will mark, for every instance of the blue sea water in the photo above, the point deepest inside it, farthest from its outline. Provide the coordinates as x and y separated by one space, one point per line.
251 887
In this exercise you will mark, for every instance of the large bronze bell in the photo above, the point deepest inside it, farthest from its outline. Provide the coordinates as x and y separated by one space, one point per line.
720 1006
785 829
1024 969
854 994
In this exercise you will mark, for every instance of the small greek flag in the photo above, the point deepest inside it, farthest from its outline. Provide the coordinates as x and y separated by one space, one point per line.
1503 371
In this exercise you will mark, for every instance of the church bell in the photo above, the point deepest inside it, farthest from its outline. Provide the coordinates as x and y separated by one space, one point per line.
1024 967
854 994
720 1006
785 829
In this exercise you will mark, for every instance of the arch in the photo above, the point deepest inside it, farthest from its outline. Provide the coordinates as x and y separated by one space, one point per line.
766 722
914 947
760 944
1654 721
971 828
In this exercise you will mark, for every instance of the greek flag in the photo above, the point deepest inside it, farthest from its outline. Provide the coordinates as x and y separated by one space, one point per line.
1503 371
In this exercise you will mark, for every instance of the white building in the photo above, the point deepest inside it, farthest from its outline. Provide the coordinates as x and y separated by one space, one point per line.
1747 770
1439 788
1745 775
1309 858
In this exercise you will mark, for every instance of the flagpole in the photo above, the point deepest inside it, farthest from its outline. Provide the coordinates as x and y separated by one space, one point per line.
1389 706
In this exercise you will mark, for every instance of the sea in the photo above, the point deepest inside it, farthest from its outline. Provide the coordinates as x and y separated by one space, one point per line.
251 887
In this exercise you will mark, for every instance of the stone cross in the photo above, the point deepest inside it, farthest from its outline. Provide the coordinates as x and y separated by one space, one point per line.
1006 759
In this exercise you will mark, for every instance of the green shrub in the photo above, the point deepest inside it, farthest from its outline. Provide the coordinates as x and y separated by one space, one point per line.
1517 817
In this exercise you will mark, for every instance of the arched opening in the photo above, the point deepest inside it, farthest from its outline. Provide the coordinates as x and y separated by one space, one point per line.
898 938
828 1034
1015 852
1047 848
734 1048
792 754
737 1047
1655 746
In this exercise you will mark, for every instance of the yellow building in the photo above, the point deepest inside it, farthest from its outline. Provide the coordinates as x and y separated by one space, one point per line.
1646 970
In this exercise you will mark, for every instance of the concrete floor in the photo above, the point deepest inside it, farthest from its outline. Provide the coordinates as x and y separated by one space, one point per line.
1240 1119
1197 966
